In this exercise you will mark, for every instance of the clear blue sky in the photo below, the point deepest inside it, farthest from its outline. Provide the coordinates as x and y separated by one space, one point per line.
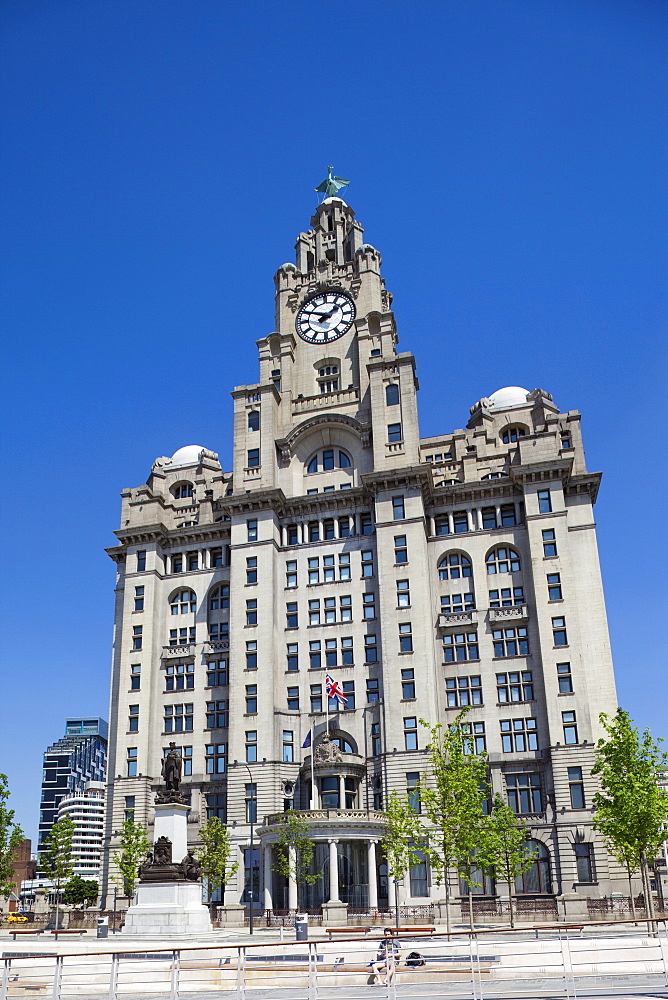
507 158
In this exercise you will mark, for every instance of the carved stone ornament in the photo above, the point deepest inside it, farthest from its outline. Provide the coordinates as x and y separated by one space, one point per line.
327 752
162 851
158 865
163 797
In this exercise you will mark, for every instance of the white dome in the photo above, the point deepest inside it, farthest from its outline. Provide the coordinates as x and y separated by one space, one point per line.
328 201
510 395
188 456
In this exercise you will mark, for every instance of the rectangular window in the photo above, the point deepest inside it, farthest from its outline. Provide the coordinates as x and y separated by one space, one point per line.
344 526
489 517
216 673
216 558
366 524
192 559
508 519
442 526
549 543
129 814
315 661
314 531
584 862
413 791
328 571
372 693
251 569
344 566
314 570
293 699
135 677
367 564
460 521
328 460
349 692
398 508
576 788
514 687
559 632
291 573
510 642
133 719
328 527
474 737
218 632
314 612
368 606
457 603
554 586
566 441
370 649
251 656
565 678
251 612
288 746
178 718
216 715
251 817
136 636
292 656
187 755
410 733
177 564
291 616
375 739
544 502
400 549
345 608
570 728
132 762
524 793
251 530
180 677
419 882
460 646
405 637
182 636
215 758
220 598
316 698
408 684
139 598
253 458
394 433
403 594
518 735
251 746
462 691
330 610
141 562
330 653
215 806
506 597
347 651
292 532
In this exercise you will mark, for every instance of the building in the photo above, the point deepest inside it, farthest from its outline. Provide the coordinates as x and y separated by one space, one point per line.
76 759
86 810
425 574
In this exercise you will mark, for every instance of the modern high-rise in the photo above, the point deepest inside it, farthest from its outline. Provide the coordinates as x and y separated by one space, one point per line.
86 810
424 574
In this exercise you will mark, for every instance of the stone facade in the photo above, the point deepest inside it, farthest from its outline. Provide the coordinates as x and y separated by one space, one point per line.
424 574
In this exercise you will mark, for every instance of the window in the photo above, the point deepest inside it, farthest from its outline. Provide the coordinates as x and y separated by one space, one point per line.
216 557
537 878
549 543
292 532
251 746
394 433
251 656
511 434
403 594
328 530
489 517
460 521
405 637
442 525
293 699
460 646
524 793
461 691
330 653
219 632
344 526
503 560
315 659
141 562
187 756
314 531
418 875
215 806
139 598
192 560
178 718
413 791
251 699
180 677
370 649
314 570
215 758
216 673
183 602
368 606
584 862
570 728
566 440
372 693
316 698
518 735
314 612
135 677
367 564
254 420
251 612
410 733
392 394
220 598
474 737
349 692
292 656
291 573
288 746
182 636
129 814
508 515
576 788
251 569
136 636
454 603
559 632
251 530
454 566
554 586
398 508
253 458
347 652
328 459
177 563
366 524
565 678
183 490
133 718
329 792
328 571
132 762
216 714
514 687
544 502
506 597
375 739
510 642
408 684
344 565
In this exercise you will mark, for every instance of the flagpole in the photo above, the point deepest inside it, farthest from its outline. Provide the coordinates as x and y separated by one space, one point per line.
313 770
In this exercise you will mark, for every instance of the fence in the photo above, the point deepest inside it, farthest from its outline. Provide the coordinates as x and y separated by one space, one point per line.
555 961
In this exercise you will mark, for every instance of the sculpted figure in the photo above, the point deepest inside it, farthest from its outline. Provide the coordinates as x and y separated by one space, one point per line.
172 767
162 851
191 867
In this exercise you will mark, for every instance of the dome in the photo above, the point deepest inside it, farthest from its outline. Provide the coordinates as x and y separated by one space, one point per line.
333 198
189 455
510 395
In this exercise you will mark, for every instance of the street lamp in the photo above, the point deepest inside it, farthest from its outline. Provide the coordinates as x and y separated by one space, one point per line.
251 813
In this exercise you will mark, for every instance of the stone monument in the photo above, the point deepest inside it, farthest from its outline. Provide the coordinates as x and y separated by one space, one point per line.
169 894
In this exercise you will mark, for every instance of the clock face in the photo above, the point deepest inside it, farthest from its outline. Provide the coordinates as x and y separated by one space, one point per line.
325 317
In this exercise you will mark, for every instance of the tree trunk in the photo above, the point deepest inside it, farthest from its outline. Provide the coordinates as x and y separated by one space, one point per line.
647 891
633 902
510 901
447 900
470 908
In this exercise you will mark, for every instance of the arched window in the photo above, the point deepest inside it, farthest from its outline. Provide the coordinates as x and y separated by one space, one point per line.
253 420
511 434
344 745
183 602
220 597
454 566
503 560
536 879
327 460
392 394
182 490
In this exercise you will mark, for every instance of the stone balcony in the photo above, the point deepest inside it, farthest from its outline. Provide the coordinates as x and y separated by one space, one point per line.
168 652
518 613
457 619
342 823
325 400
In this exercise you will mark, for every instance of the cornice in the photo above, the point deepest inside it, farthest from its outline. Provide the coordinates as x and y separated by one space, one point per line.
540 472
466 492
413 475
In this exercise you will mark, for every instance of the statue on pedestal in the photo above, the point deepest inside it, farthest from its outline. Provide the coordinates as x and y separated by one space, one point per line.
171 771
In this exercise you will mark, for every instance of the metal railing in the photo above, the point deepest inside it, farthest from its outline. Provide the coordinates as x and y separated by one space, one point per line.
589 959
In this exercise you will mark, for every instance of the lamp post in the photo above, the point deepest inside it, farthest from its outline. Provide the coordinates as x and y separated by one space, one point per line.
251 812
113 929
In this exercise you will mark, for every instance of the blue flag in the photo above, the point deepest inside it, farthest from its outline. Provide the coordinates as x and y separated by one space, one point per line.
307 741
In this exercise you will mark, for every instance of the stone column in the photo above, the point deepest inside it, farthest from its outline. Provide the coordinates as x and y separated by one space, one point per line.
498 515
333 872
292 885
268 901
373 878
451 525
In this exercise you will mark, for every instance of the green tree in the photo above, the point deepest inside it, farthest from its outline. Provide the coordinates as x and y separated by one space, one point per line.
134 846
404 837
215 856
57 862
504 847
630 811
81 891
453 794
293 857
11 838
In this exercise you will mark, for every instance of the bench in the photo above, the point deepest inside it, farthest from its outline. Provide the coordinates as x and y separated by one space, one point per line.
349 930
81 931
416 929
23 930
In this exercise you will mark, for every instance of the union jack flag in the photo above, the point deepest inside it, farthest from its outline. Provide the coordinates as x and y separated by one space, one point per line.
334 691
